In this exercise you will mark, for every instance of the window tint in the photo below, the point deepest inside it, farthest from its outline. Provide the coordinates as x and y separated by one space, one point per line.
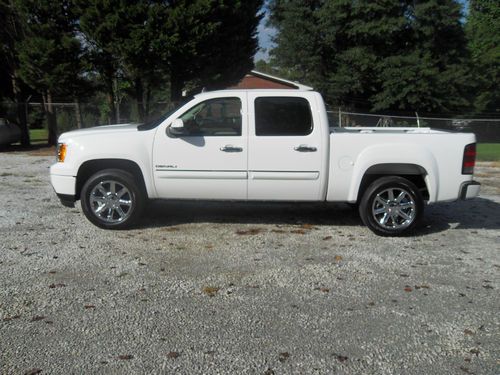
214 117
282 116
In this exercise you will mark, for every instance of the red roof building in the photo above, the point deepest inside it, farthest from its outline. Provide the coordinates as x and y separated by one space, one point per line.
258 80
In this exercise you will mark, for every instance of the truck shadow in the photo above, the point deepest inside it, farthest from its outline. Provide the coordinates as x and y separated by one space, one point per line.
479 213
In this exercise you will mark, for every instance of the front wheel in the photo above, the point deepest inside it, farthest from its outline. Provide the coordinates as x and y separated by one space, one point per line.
112 199
391 206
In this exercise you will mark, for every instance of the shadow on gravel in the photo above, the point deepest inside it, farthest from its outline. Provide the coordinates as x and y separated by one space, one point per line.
170 213
479 213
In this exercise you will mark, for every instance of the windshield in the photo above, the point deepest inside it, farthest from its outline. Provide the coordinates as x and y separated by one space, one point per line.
154 123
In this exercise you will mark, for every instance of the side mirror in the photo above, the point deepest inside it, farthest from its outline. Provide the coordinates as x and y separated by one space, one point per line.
177 129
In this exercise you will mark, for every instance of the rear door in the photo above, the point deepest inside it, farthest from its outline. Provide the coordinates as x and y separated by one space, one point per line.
286 151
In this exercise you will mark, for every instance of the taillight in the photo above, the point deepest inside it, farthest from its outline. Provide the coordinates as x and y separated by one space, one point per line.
469 159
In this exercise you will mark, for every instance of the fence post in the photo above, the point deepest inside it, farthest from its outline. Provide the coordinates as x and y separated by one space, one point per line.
418 120
340 118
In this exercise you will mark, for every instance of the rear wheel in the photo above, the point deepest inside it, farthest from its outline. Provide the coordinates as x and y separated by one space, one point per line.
112 199
391 206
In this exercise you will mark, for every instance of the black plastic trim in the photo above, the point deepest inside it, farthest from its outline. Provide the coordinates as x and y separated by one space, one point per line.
464 187
67 200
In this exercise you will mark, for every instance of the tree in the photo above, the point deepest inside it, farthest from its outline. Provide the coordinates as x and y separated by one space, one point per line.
11 84
206 43
50 54
483 33
182 44
378 55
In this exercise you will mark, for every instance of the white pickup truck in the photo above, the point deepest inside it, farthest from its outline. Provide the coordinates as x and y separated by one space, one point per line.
262 145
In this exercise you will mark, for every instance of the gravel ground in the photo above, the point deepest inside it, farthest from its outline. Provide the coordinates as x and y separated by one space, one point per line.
220 288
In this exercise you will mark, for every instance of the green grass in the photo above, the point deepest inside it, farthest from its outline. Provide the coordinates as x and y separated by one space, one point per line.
38 135
488 151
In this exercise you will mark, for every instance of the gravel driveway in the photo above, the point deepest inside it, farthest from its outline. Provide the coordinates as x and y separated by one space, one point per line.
224 288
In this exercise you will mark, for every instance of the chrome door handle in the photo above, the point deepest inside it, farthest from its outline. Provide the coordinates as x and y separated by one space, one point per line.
230 148
305 148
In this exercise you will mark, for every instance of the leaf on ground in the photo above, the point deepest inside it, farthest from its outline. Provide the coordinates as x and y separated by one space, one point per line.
298 231
52 272
468 332
283 357
307 226
408 288
171 229
251 231
277 231
173 355
89 307
340 358
36 318
404 275
9 318
125 357
33 371
210 291
269 371
327 238
487 286
338 258
422 287
322 289
58 285
474 351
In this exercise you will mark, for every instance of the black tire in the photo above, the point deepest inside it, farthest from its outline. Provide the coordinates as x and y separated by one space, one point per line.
388 217
112 199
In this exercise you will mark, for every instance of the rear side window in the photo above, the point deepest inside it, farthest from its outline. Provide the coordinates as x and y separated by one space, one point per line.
288 116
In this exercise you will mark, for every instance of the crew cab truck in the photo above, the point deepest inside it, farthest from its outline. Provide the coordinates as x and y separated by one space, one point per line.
262 145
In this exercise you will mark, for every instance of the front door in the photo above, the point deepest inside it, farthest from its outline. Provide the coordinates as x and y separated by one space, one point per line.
208 161
287 150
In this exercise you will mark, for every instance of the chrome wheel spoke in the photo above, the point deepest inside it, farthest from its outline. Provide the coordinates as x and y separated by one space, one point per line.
110 201
404 215
390 195
397 212
125 202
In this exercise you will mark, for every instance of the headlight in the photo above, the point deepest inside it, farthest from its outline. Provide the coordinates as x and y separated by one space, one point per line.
61 152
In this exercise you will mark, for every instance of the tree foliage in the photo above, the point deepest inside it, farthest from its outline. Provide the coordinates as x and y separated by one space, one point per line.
380 55
483 33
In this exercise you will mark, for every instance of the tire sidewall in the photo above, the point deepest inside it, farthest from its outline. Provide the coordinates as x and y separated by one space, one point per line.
365 208
122 177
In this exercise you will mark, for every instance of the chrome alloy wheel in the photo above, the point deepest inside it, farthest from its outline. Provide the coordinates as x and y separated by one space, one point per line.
394 208
111 201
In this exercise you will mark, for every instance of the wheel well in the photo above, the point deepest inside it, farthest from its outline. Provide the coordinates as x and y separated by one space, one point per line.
411 172
91 167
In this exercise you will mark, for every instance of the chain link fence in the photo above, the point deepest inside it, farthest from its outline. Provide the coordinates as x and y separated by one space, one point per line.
83 115
486 130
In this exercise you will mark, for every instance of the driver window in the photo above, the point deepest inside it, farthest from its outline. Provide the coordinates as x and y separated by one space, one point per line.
214 117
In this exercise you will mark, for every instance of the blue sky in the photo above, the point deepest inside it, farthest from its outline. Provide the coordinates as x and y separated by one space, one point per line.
265 34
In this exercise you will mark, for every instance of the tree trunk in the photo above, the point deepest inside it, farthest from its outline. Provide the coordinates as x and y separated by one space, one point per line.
148 102
118 100
139 97
176 86
51 118
78 113
22 115
111 101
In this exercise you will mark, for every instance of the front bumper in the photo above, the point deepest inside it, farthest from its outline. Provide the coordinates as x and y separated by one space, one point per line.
469 190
